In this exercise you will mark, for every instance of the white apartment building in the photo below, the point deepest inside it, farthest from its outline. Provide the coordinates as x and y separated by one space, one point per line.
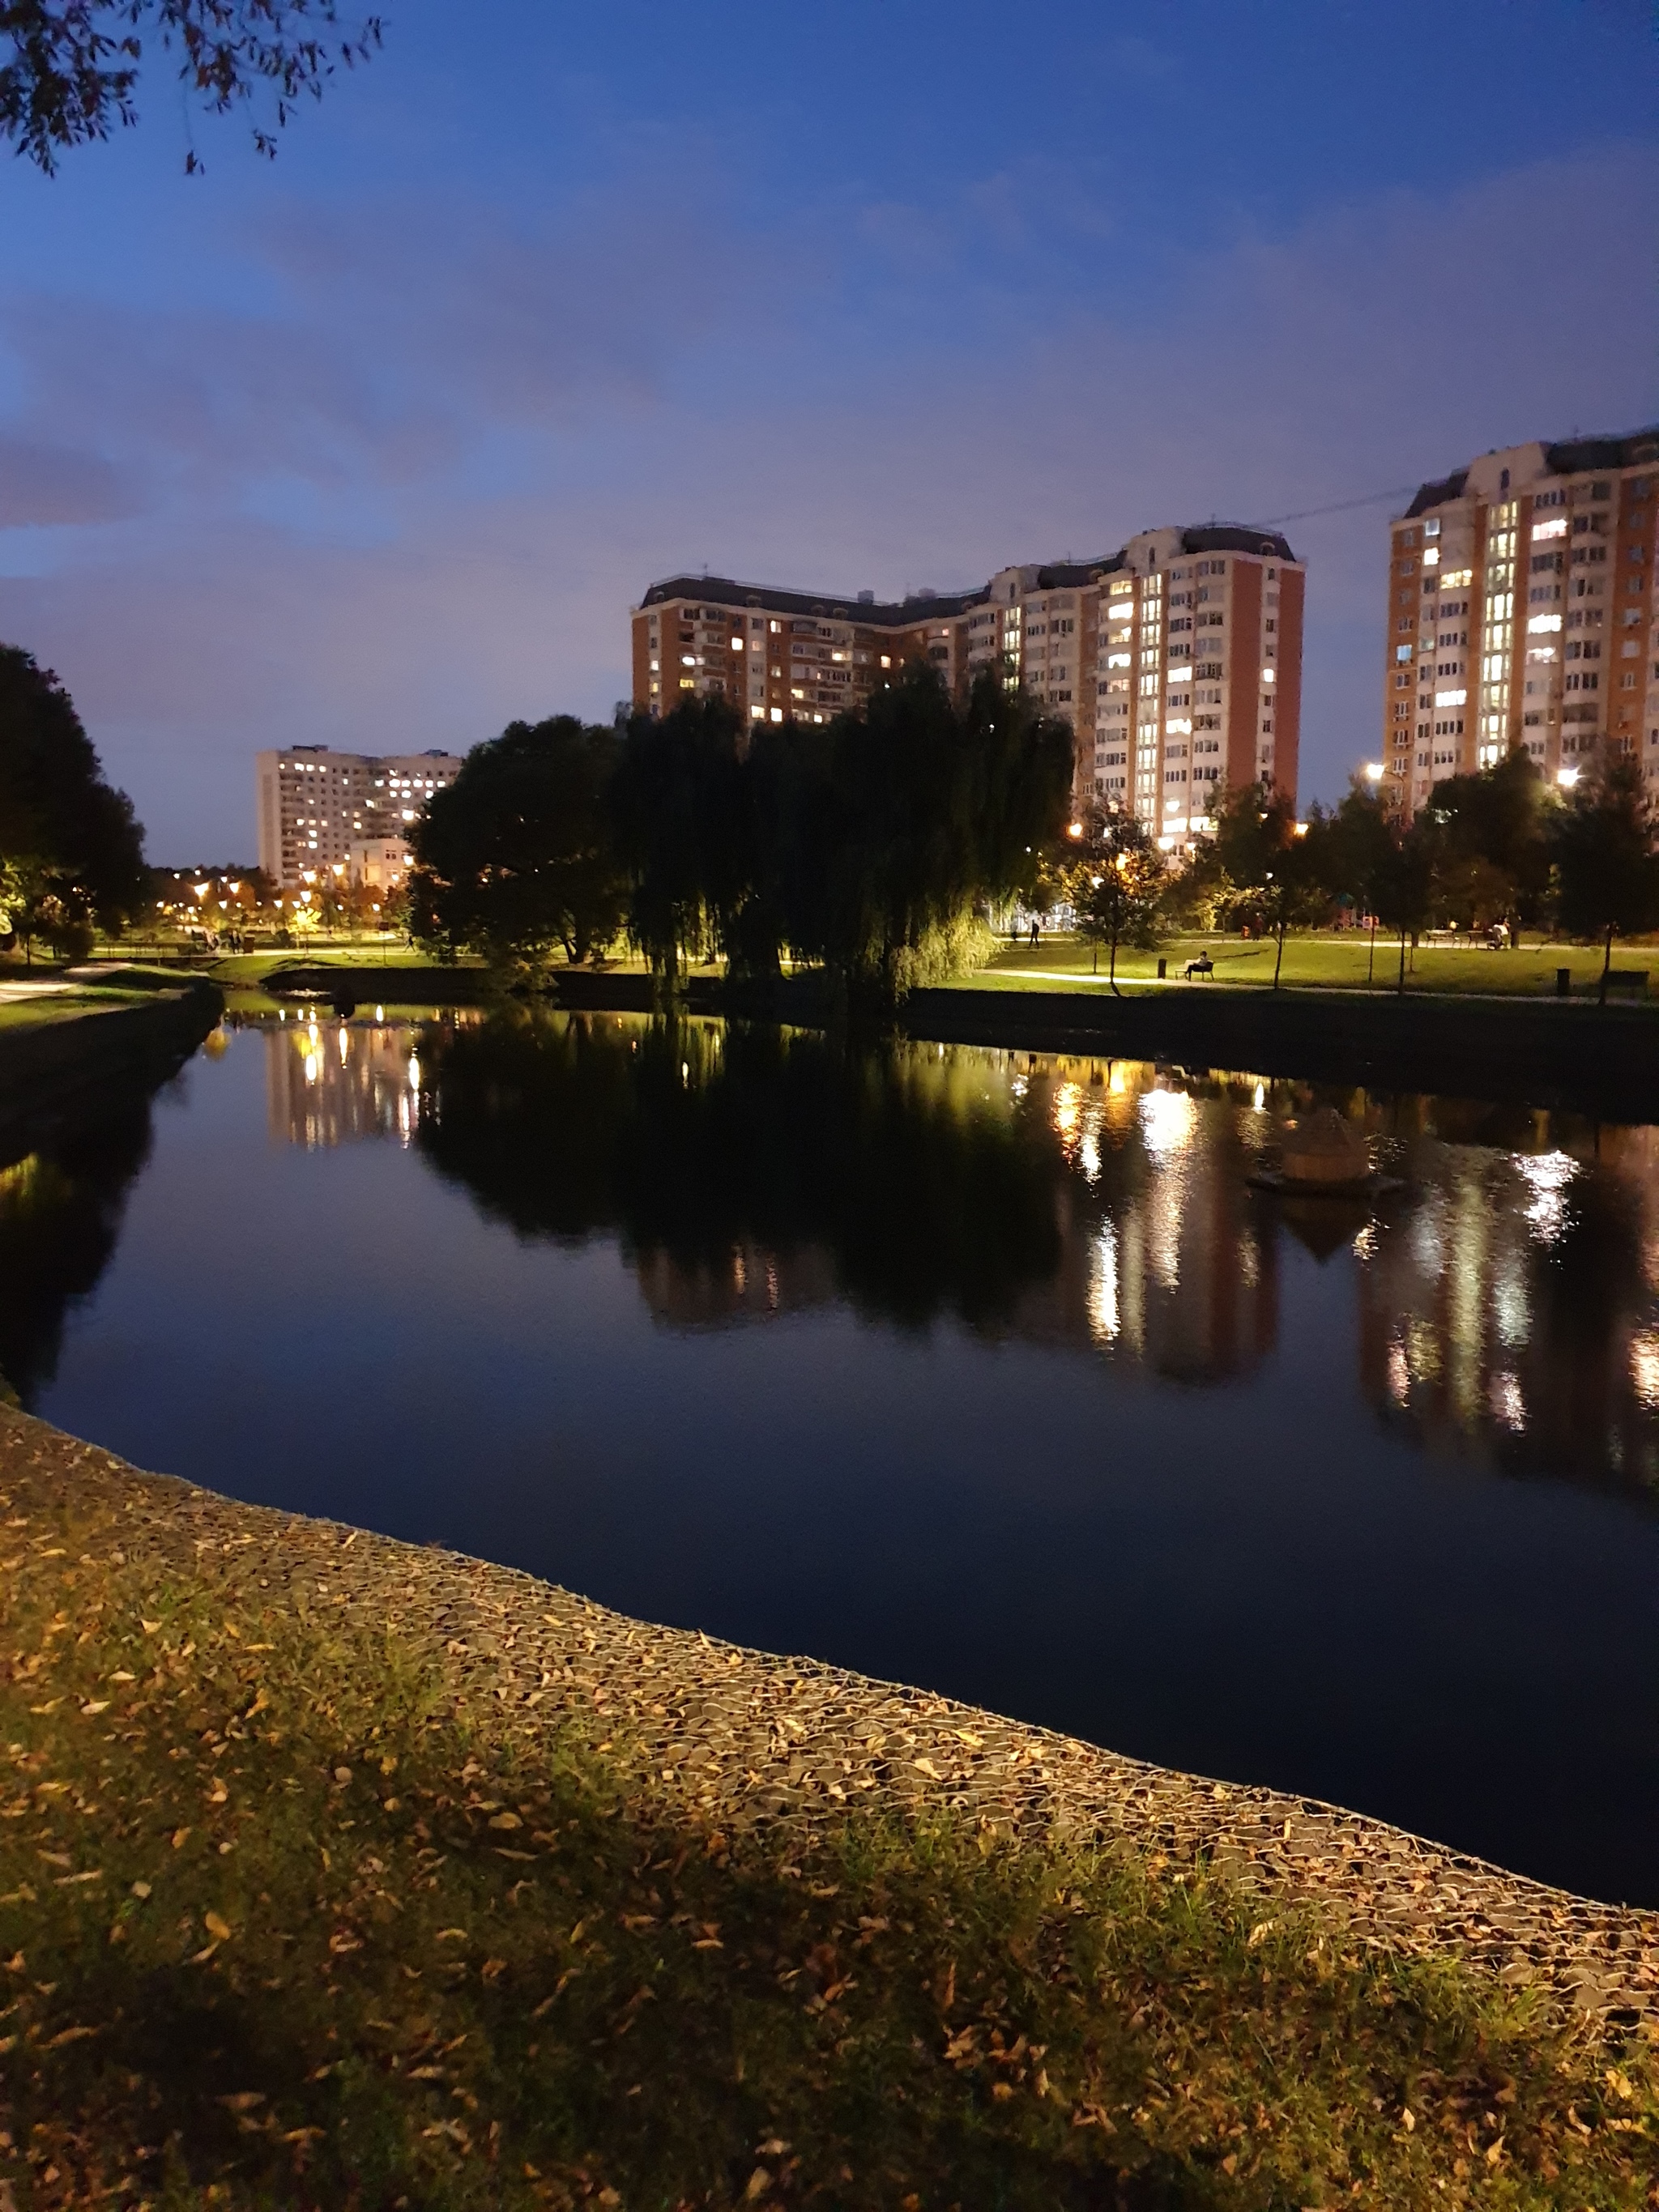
1177 661
1522 614
313 804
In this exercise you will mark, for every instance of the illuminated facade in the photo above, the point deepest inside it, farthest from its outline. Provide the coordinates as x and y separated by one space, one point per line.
1520 613
1177 661
313 804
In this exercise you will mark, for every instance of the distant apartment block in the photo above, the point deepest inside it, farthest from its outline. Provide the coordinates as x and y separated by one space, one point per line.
315 805
1177 661
1520 613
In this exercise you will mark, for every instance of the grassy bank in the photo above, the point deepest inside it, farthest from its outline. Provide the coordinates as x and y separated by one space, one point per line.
284 1920
1326 962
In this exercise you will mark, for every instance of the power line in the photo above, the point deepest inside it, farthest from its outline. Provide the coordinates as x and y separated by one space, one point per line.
1341 505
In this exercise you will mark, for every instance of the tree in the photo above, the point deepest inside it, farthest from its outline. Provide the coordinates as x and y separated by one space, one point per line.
1260 846
868 845
71 855
515 858
71 74
1356 849
1602 844
1405 880
1494 854
1117 884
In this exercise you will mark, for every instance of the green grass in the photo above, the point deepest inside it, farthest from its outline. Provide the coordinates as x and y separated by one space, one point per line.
276 1929
1323 962
65 1006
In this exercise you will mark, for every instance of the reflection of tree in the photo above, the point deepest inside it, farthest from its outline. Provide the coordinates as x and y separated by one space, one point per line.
60 1215
695 1142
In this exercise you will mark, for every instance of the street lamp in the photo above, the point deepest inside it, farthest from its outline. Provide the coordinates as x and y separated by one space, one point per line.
1373 771
1566 777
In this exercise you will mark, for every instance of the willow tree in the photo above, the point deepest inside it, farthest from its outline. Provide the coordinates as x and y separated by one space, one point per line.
70 69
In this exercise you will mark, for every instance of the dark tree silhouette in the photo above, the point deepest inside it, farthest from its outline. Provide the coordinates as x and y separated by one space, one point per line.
69 68
70 851
1606 874
514 858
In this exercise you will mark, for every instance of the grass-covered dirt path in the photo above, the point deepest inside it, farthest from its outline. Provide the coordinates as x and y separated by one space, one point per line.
335 1871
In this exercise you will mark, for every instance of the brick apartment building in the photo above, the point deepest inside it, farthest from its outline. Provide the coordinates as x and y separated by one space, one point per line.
1177 661
318 809
1520 613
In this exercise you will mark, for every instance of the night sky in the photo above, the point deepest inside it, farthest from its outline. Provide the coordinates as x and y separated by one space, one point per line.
374 446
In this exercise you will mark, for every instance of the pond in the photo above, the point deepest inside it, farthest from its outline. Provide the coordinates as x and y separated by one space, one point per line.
986 1371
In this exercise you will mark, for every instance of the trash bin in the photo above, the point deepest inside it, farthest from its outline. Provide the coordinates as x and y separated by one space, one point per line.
1564 982
1162 966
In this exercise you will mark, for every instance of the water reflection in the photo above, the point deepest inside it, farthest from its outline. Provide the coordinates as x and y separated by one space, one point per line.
1506 1304
986 1370
61 1209
330 1081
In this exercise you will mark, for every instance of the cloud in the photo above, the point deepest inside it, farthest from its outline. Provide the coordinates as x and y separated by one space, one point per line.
415 488
45 485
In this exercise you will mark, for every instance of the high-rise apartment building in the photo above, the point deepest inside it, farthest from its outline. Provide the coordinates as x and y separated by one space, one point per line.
1520 613
314 803
1177 661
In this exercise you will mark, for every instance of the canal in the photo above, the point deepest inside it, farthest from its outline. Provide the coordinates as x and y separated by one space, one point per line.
986 1371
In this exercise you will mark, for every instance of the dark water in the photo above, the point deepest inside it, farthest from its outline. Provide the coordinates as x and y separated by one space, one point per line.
968 1369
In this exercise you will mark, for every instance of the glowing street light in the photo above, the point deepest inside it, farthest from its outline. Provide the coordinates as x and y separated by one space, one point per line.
1074 829
1566 777
1373 771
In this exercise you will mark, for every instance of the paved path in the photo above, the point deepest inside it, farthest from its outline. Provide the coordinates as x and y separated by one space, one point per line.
736 1738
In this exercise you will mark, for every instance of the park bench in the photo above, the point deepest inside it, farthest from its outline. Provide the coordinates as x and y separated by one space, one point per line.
1202 966
1628 982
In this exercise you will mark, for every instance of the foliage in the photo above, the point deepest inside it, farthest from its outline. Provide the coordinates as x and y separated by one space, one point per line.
1116 883
70 851
1493 855
282 1925
515 857
72 71
864 845
1603 847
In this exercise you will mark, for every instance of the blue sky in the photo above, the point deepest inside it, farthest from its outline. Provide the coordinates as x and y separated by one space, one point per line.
374 446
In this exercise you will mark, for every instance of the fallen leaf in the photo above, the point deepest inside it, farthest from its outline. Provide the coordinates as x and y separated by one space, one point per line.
217 1926
759 2182
140 1889
506 1820
243 2100
1408 2120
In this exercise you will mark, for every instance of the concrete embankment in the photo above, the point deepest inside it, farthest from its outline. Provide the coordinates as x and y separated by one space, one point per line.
1597 1060
1601 1061
58 1069
744 1741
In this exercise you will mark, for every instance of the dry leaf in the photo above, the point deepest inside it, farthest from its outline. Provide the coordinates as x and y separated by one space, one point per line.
217 1926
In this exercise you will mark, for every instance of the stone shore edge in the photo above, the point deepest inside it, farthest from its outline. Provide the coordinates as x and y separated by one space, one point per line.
744 1739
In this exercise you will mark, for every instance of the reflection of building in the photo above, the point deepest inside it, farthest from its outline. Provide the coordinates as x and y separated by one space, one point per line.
328 1081
745 1285
1177 661
313 804
1511 1309
1167 1259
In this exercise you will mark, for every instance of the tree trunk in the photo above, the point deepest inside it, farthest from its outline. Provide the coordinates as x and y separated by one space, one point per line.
1112 969
1279 957
1371 964
1401 987
1607 964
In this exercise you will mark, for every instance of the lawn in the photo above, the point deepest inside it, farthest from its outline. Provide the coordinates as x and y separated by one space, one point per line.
1326 961
283 1922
